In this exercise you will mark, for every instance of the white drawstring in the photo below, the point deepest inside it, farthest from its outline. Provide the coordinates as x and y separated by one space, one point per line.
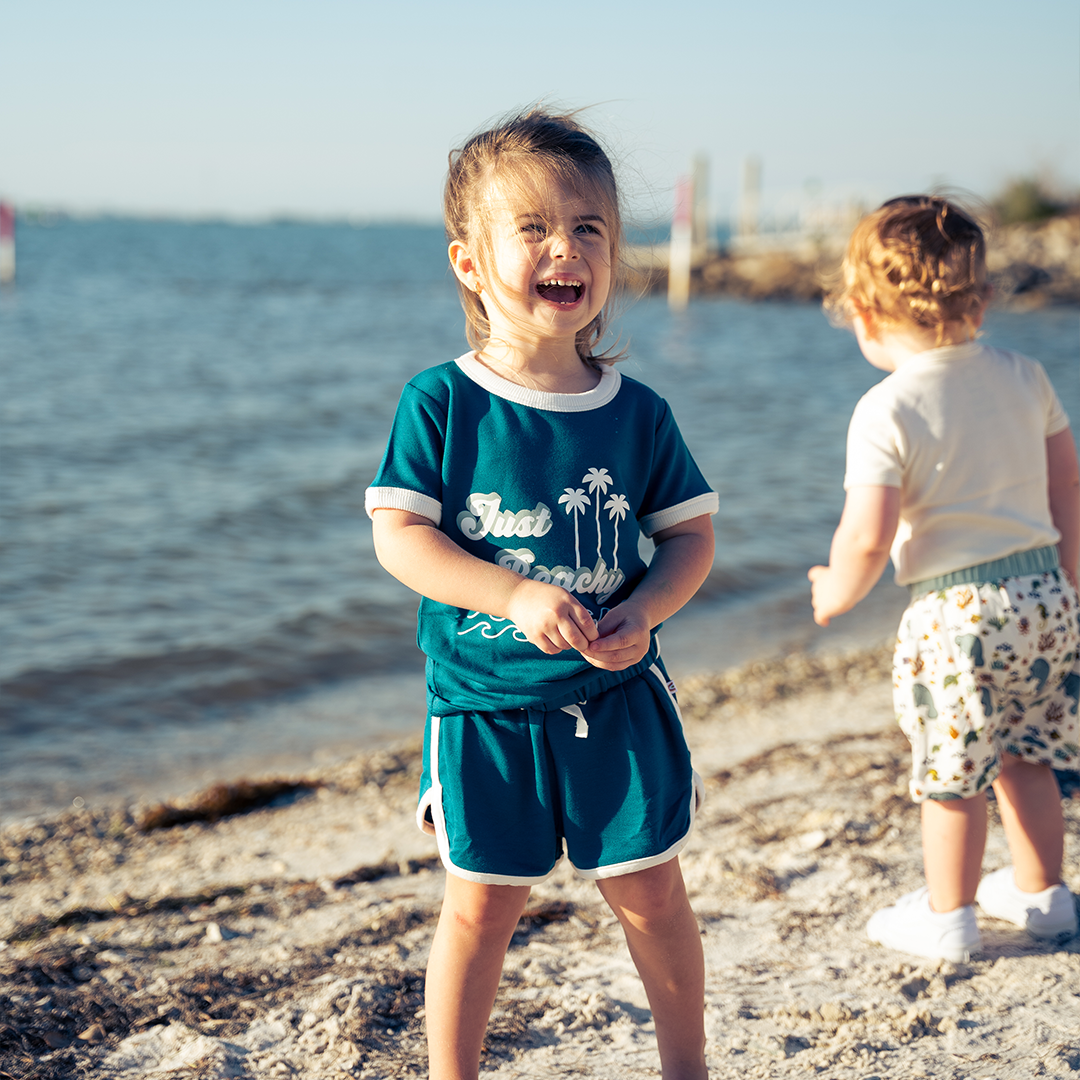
582 729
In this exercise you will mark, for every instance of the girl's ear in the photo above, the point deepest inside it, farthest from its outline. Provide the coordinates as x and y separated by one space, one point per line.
464 266
864 319
980 312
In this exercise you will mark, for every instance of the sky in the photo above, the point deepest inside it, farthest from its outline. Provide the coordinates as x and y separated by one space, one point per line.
347 108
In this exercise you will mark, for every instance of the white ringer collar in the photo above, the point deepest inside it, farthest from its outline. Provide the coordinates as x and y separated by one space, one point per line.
599 395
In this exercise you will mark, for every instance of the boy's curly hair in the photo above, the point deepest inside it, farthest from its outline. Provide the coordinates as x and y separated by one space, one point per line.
522 154
916 259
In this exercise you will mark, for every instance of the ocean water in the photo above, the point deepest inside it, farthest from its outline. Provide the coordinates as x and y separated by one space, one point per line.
189 415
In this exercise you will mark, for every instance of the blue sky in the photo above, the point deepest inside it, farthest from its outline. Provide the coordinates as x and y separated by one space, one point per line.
330 108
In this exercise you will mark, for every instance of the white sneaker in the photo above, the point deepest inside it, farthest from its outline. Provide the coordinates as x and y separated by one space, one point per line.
912 926
1047 914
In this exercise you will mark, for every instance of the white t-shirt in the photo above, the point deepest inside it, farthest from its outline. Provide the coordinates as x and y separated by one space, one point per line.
962 431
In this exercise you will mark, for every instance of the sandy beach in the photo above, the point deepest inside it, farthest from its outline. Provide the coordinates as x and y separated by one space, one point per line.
291 940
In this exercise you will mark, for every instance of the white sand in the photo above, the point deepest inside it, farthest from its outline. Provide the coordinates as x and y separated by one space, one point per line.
243 937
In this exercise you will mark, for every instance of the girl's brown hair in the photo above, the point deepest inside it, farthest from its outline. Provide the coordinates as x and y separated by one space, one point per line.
916 259
524 153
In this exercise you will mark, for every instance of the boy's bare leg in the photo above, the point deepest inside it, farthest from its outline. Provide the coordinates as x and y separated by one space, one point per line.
474 931
954 838
665 944
1030 806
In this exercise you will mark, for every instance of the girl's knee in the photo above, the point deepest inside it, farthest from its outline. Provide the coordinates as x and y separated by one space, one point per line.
483 909
652 895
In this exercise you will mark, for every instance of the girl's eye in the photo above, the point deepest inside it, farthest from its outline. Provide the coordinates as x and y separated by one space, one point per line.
587 228
534 230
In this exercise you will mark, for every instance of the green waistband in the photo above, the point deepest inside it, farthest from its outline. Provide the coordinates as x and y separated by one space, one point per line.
1035 561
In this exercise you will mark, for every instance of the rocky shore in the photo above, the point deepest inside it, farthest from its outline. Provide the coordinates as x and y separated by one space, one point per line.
1031 265
192 940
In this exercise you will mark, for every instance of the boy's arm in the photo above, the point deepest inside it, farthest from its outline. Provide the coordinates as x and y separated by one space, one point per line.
859 552
1063 475
414 550
681 562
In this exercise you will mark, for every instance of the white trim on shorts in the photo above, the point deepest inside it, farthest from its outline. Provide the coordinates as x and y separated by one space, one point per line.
697 795
432 799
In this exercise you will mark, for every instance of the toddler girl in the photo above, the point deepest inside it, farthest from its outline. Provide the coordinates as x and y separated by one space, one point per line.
510 496
961 461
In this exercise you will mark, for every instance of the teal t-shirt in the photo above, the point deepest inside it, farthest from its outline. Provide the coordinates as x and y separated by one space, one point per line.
553 486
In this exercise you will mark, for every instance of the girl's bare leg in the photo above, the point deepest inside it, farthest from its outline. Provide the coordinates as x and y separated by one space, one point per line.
1030 806
666 947
474 931
954 838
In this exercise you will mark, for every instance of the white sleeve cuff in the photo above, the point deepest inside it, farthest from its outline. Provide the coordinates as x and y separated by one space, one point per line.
709 503
415 502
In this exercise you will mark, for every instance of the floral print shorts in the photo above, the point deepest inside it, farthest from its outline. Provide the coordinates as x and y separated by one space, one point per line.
981 670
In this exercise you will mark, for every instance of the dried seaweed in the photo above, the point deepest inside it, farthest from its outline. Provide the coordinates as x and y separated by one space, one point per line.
49 1014
222 800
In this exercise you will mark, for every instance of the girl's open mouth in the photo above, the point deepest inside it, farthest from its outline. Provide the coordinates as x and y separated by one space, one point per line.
559 291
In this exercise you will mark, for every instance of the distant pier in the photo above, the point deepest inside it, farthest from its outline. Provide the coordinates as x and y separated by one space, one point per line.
1031 265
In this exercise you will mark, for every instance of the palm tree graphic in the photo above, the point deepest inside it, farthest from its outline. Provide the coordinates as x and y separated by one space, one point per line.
576 500
598 479
617 508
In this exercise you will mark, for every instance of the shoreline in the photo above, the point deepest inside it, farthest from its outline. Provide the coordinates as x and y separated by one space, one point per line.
291 940
48 771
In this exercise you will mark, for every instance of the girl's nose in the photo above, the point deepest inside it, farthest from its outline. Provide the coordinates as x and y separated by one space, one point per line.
563 247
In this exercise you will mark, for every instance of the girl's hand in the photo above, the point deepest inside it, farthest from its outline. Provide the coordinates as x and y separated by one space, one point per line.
821 595
859 552
624 638
550 617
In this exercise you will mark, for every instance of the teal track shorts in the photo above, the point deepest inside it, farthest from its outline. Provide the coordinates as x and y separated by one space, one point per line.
610 778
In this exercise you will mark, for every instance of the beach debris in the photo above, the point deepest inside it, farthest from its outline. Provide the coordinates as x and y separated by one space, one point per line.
377 871
222 800
543 913
388 926
834 1012
48 1020
777 1046
576 1009
176 1050
811 841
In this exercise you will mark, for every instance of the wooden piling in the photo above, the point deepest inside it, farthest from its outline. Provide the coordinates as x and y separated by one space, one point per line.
682 245
7 243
